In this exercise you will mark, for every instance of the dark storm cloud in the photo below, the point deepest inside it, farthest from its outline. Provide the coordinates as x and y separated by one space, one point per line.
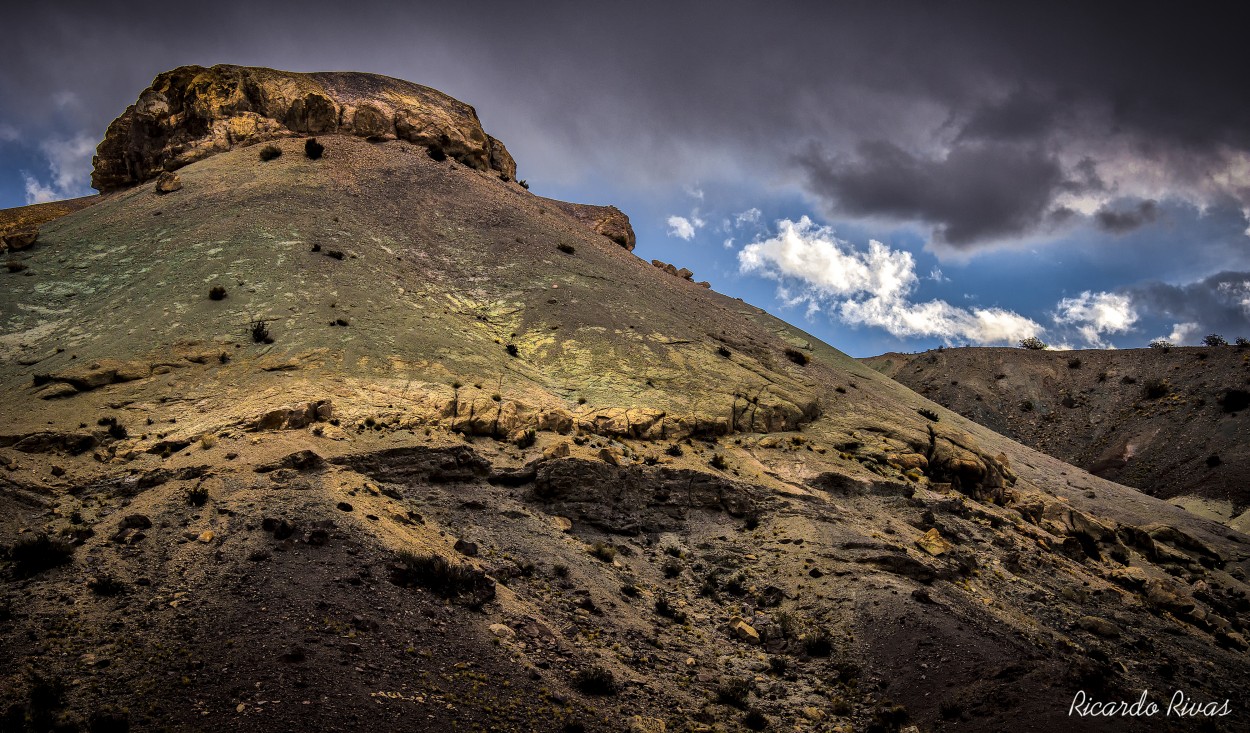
950 106
1219 304
975 193
1121 221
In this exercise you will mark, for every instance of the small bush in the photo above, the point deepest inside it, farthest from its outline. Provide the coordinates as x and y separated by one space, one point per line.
734 692
1161 344
567 249
950 709
335 253
631 590
798 357
596 680
674 450
512 350
217 292
1234 400
722 351
560 571
117 431
718 462
1214 339
527 439
313 149
1155 388
33 554
1213 460
269 152
754 720
602 551
669 611
1032 343
1126 379
197 496
447 579
524 184
928 414
1026 406
106 584
1102 376
671 567
817 643
1241 342
1074 362
259 331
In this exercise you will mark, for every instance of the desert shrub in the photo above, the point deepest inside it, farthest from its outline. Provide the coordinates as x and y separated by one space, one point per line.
928 414
117 431
512 350
1026 406
1234 400
14 265
313 149
754 720
447 579
216 292
1102 376
718 462
596 680
1242 342
674 450
798 357
527 439
567 249
259 331
778 664
602 551
1161 344
671 567
269 152
631 590
722 351
560 571
524 184
1126 379
1074 362
669 611
1032 343
197 496
817 642
950 709
33 554
1214 339
734 692
1155 388
335 253
106 584
1213 460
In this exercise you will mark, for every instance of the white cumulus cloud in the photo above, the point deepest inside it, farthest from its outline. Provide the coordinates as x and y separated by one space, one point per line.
1096 315
1184 333
684 227
870 287
69 163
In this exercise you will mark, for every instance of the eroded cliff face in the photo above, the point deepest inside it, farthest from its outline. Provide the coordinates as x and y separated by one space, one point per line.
192 112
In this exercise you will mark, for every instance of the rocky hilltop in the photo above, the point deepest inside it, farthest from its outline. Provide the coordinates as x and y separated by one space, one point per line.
362 434
193 112
1172 422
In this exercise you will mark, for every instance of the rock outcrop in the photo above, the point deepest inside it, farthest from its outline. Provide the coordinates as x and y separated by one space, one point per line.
192 112
609 221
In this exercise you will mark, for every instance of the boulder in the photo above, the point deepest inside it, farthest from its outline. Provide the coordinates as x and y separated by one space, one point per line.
934 543
742 631
20 239
168 182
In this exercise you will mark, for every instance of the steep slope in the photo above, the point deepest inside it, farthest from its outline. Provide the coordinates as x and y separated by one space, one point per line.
659 504
1172 422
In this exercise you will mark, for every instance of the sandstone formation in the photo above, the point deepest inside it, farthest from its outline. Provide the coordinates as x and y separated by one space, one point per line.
192 112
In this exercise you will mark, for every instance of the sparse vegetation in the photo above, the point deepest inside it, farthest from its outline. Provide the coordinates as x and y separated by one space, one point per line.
1074 362
602 551
718 462
1161 344
1214 339
106 584
313 149
928 414
672 568
217 292
596 680
1026 406
722 351
1234 400
447 579
734 692
674 450
197 496
1155 388
269 152
817 642
560 571
666 609
527 439
33 554
524 184
798 357
512 350
259 331
567 249
1241 342
1033 343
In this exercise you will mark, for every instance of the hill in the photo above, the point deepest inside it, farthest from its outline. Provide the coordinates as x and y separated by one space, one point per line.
1171 422
374 437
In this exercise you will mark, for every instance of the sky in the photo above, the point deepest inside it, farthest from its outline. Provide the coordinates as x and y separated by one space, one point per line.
889 176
